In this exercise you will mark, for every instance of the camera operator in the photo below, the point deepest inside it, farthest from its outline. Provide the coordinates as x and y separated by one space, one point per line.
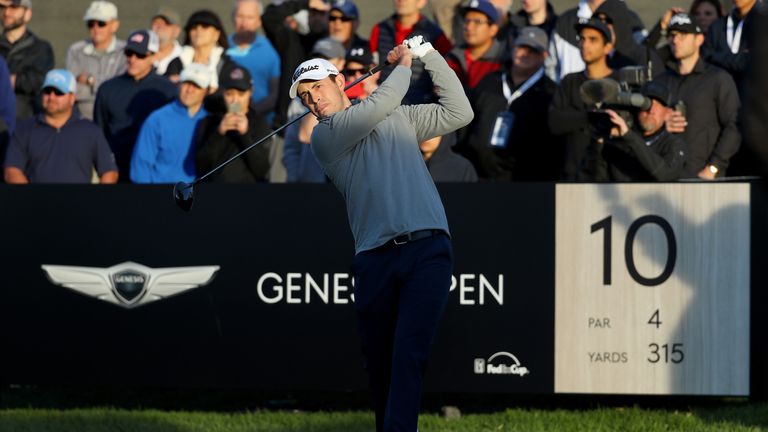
645 153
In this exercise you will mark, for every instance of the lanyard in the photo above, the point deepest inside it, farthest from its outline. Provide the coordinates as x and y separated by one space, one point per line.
511 97
734 38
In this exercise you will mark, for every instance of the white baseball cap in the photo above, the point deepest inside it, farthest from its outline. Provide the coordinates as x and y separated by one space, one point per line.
196 73
101 11
315 69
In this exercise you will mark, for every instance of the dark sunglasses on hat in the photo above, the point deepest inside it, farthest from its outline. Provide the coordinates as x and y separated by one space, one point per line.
131 53
100 24
339 18
51 90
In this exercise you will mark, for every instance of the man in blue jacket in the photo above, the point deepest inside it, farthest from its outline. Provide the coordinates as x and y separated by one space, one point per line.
164 151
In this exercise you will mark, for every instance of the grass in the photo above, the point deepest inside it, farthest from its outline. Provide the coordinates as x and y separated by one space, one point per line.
728 417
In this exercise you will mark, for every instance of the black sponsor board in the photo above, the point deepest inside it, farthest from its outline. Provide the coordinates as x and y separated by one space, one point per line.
277 313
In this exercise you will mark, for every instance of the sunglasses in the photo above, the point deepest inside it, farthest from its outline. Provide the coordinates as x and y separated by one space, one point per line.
130 53
94 23
363 71
50 90
339 18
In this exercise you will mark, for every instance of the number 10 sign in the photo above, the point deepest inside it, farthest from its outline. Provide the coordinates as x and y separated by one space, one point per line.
652 289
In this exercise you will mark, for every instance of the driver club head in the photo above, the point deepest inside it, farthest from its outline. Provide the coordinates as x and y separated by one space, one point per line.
184 194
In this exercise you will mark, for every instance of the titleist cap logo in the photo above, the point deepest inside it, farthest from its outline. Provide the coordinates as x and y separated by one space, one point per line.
303 70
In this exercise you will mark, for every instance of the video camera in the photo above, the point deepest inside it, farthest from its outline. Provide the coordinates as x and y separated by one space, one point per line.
621 96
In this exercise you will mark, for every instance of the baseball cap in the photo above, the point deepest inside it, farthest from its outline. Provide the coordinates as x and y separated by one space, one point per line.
658 91
142 42
23 3
205 17
596 24
360 54
101 11
328 48
60 79
314 69
533 37
347 8
484 7
169 15
235 77
683 23
196 73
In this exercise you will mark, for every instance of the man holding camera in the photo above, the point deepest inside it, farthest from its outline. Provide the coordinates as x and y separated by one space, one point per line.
645 153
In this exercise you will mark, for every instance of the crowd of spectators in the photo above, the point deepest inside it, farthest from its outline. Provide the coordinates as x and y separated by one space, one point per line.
156 109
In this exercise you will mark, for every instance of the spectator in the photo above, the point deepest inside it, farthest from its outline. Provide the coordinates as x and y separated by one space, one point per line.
167 25
481 53
443 164
300 164
98 58
711 100
444 12
358 62
406 22
564 45
58 145
729 40
254 52
224 133
28 57
538 13
648 154
706 12
343 21
292 41
205 42
568 113
7 103
124 102
506 22
164 151
627 51
509 138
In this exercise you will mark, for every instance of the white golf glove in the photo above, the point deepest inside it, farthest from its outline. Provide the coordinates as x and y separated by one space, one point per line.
418 46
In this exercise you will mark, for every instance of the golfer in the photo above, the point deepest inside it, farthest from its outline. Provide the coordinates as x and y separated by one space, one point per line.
403 262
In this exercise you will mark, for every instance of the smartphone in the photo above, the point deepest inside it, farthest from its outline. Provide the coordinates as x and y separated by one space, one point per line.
233 108
680 107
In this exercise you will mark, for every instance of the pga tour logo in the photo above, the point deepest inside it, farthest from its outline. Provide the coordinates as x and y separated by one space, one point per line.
501 363
130 284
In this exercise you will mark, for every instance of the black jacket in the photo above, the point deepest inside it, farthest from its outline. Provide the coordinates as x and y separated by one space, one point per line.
293 47
568 117
447 166
717 52
213 149
532 152
628 51
712 105
633 157
30 58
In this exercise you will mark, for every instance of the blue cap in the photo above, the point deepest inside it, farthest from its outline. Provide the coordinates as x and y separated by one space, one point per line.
346 7
484 7
60 79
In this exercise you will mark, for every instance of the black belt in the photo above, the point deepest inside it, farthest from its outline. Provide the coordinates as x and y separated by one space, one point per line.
414 235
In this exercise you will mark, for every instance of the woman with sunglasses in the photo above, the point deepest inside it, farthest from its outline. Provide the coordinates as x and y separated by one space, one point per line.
205 43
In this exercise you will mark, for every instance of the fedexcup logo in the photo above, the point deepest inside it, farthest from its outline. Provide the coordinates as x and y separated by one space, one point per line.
501 363
130 284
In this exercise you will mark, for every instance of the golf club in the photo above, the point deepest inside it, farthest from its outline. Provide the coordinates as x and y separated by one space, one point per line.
184 193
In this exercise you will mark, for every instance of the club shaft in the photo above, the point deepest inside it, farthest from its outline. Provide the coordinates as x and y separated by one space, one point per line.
271 134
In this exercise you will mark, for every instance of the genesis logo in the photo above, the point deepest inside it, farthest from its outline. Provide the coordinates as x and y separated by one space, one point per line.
501 363
130 284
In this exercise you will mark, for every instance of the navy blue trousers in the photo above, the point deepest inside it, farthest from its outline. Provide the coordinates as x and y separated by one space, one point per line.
400 295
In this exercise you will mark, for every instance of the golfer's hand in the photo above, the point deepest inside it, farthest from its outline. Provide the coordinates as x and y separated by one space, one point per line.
419 46
400 55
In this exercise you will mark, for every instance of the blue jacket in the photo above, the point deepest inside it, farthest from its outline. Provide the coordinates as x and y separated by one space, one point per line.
164 151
